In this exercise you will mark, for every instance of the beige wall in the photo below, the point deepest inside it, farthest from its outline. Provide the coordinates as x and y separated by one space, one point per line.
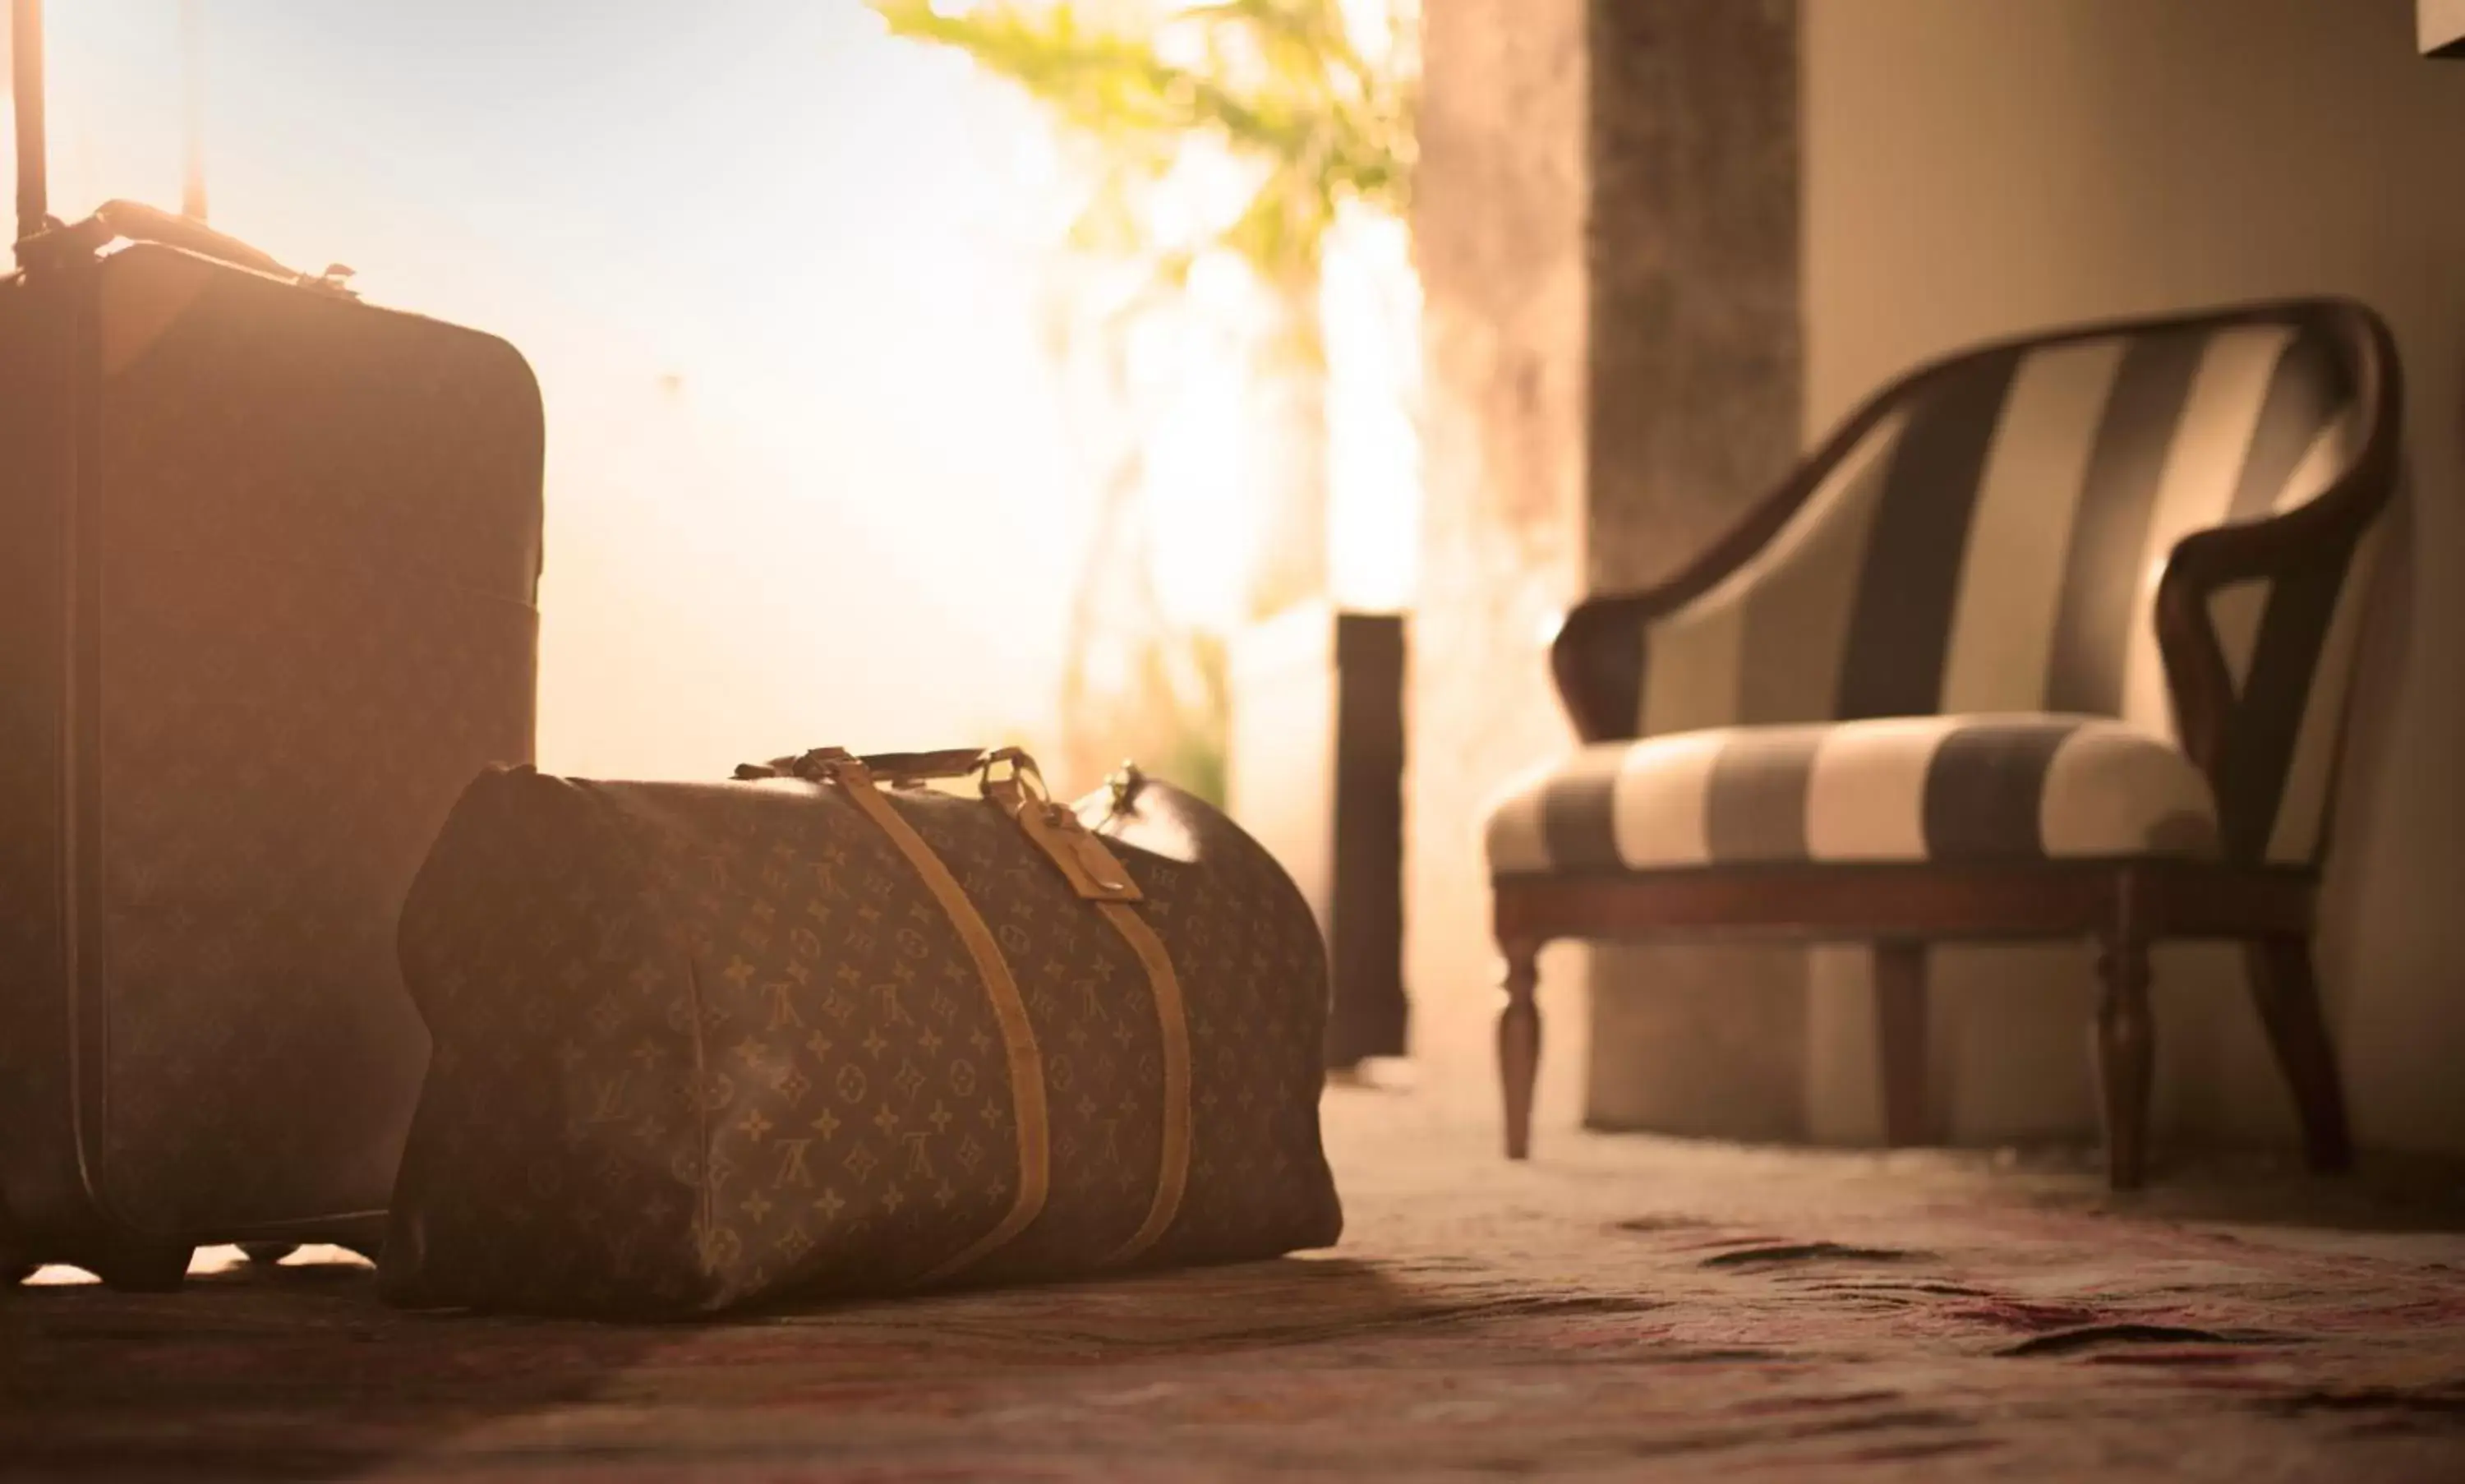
1976 168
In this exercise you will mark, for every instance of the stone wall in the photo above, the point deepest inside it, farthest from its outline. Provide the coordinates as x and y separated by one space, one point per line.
1695 409
1498 242
1606 233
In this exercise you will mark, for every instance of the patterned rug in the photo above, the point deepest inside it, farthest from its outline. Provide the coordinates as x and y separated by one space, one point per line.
1622 1308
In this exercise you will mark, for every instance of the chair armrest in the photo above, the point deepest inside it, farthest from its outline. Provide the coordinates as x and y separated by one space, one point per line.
1598 655
2320 532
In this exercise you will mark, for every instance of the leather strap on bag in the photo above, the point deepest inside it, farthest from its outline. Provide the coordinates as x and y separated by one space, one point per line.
1095 876
1091 870
1028 1108
1172 1018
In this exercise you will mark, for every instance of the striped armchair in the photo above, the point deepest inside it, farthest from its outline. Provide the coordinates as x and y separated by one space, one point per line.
2049 639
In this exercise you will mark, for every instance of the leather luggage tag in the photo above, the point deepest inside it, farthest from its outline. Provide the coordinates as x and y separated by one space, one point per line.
1092 870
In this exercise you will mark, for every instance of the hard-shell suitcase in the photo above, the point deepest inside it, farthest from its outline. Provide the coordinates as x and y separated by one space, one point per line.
821 1032
268 564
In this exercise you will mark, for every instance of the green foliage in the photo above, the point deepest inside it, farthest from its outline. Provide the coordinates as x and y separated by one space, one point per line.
1196 761
1281 87
1277 82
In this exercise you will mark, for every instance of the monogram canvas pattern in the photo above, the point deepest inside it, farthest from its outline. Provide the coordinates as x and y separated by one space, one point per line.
1094 1024
774 1070
317 548
592 1162
299 586
33 607
1246 939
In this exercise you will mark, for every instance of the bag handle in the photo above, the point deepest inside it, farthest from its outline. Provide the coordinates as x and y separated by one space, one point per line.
1091 870
899 770
25 87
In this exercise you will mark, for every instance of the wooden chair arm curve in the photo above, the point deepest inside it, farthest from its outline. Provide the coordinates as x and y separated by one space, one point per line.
2320 530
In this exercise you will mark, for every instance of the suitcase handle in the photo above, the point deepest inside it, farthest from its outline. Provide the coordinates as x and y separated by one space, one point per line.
129 219
25 87
141 223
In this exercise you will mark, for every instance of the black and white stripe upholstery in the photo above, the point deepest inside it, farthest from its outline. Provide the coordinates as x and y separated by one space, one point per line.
1943 789
1949 651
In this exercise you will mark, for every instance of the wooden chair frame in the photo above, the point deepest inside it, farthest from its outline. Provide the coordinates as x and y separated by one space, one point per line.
2123 906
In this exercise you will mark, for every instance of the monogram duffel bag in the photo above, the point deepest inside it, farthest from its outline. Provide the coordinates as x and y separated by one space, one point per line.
850 1025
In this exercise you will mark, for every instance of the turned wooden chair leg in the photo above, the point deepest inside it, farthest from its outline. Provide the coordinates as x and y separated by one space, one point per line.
1519 1043
2126 1062
1900 1036
2288 995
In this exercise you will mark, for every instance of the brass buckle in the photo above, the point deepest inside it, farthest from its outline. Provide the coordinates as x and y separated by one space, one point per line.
1022 771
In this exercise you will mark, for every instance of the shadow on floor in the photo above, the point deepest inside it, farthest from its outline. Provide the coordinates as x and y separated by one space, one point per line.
2267 1186
249 1371
2384 1193
299 1371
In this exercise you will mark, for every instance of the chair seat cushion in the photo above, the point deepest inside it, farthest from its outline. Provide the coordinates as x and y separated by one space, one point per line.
1947 790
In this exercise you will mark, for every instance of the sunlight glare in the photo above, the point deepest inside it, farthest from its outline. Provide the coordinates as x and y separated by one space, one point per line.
1371 302
790 328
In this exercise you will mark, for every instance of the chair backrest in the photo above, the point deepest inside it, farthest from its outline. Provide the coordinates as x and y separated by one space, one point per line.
1992 530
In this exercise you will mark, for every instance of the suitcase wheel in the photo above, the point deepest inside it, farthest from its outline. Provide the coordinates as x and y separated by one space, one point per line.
153 1270
265 1254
